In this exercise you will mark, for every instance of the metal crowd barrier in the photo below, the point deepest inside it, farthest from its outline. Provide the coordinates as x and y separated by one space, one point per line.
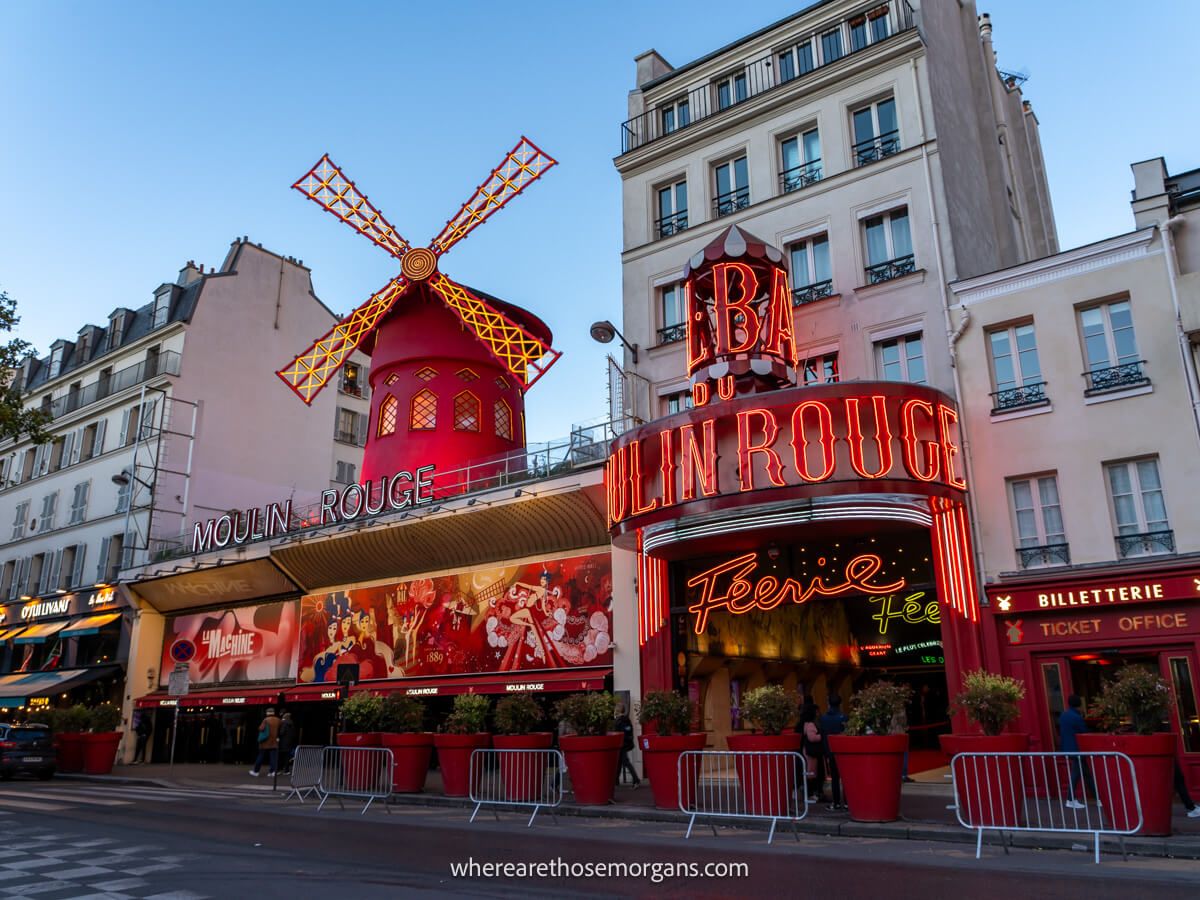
732 784
1066 793
359 773
305 777
530 778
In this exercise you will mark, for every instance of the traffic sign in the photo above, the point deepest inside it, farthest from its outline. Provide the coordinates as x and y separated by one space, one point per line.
183 650
177 683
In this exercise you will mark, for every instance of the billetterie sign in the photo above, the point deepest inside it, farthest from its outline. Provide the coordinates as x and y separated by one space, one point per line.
391 493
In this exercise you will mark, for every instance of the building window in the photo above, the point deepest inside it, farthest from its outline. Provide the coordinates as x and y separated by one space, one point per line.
798 60
392 379
56 359
672 299
49 509
675 115
20 520
503 416
831 46
821 369
858 33
878 21
466 412
345 473
801 159
672 209
1138 508
422 414
876 134
389 413
162 308
354 380
79 502
733 187
901 359
425 373
351 427
1016 373
731 90
466 375
678 402
125 490
1037 516
812 277
1112 355
889 246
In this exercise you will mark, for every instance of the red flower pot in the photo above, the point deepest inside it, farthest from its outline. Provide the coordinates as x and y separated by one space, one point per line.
592 762
870 766
661 754
1153 758
70 751
769 783
523 773
360 772
410 757
99 751
454 757
991 792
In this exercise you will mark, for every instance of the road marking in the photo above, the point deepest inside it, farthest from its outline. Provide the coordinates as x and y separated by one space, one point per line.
36 807
76 798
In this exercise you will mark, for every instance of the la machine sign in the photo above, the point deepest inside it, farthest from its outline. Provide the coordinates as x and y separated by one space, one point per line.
391 493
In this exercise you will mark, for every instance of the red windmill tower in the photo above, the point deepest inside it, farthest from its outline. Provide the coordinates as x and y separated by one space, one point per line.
450 366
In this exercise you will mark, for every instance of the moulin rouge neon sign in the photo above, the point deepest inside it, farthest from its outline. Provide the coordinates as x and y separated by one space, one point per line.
740 595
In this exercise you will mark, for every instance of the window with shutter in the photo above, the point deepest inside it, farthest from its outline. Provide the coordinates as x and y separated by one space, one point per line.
77 567
102 565
79 502
23 581
20 520
49 507
98 444
124 491
148 422
125 416
50 569
14 586
77 446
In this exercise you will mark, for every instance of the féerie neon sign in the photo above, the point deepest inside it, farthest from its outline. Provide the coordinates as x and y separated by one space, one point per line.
741 595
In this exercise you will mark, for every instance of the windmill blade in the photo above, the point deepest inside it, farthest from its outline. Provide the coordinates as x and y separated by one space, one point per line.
309 372
523 165
326 186
517 350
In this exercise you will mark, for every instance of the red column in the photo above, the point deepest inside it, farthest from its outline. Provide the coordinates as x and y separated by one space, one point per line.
653 612
954 566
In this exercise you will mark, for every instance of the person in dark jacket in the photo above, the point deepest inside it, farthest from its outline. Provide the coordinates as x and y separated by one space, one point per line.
833 721
143 729
625 726
287 742
1070 726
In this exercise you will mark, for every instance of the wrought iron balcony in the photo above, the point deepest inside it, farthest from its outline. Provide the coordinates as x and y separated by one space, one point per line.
669 225
811 293
1046 555
1115 378
762 74
1146 544
166 363
800 176
893 268
876 148
672 333
731 201
1032 394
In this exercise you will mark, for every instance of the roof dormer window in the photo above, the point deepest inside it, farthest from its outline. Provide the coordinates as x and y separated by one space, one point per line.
116 327
162 306
56 359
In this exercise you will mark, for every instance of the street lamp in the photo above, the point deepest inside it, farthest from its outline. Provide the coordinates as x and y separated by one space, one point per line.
604 331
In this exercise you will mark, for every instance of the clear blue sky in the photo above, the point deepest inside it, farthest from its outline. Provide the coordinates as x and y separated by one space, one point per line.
136 136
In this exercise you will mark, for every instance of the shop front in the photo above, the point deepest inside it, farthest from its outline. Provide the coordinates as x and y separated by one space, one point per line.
1067 635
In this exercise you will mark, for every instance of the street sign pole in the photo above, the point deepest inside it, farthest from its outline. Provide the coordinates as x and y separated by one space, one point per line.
177 686
174 731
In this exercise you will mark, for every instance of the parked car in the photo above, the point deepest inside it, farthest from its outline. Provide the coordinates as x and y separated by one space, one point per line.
26 750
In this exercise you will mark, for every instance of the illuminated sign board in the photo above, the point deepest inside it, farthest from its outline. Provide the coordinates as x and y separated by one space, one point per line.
1084 596
58 606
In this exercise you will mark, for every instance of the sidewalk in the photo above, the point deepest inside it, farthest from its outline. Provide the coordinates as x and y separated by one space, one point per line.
923 810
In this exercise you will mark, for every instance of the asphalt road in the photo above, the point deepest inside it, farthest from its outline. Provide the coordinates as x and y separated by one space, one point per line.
76 840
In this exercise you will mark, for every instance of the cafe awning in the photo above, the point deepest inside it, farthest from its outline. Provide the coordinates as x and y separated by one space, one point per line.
37 634
9 633
42 684
554 681
89 625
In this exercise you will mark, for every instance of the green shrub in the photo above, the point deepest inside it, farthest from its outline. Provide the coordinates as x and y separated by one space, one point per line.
873 708
1137 696
769 708
989 700
588 714
518 714
105 717
671 711
469 716
401 715
47 716
73 719
362 712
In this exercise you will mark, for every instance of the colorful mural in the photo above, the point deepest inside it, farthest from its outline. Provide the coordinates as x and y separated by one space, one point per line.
231 646
545 615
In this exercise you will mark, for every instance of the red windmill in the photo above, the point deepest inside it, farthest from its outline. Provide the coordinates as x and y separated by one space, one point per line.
449 367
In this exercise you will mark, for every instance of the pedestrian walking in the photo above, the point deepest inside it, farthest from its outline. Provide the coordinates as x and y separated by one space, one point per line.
268 743
1193 811
833 721
625 726
1070 726
142 731
288 733
813 751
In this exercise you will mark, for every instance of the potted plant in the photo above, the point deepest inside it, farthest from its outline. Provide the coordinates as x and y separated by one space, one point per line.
666 719
991 791
401 720
361 715
102 738
593 751
70 723
769 783
465 732
870 758
1132 708
517 715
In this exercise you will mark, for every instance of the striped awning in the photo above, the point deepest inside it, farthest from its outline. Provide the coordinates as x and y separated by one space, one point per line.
8 633
89 624
37 634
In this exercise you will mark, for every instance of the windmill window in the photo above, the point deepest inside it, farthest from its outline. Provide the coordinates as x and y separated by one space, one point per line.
467 375
388 413
502 382
393 378
503 420
466 412
423 412
427 374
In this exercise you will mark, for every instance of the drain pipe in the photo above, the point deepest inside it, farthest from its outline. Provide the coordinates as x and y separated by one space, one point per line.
1166 230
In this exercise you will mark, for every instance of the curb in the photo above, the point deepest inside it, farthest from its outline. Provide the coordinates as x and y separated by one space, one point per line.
114 779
